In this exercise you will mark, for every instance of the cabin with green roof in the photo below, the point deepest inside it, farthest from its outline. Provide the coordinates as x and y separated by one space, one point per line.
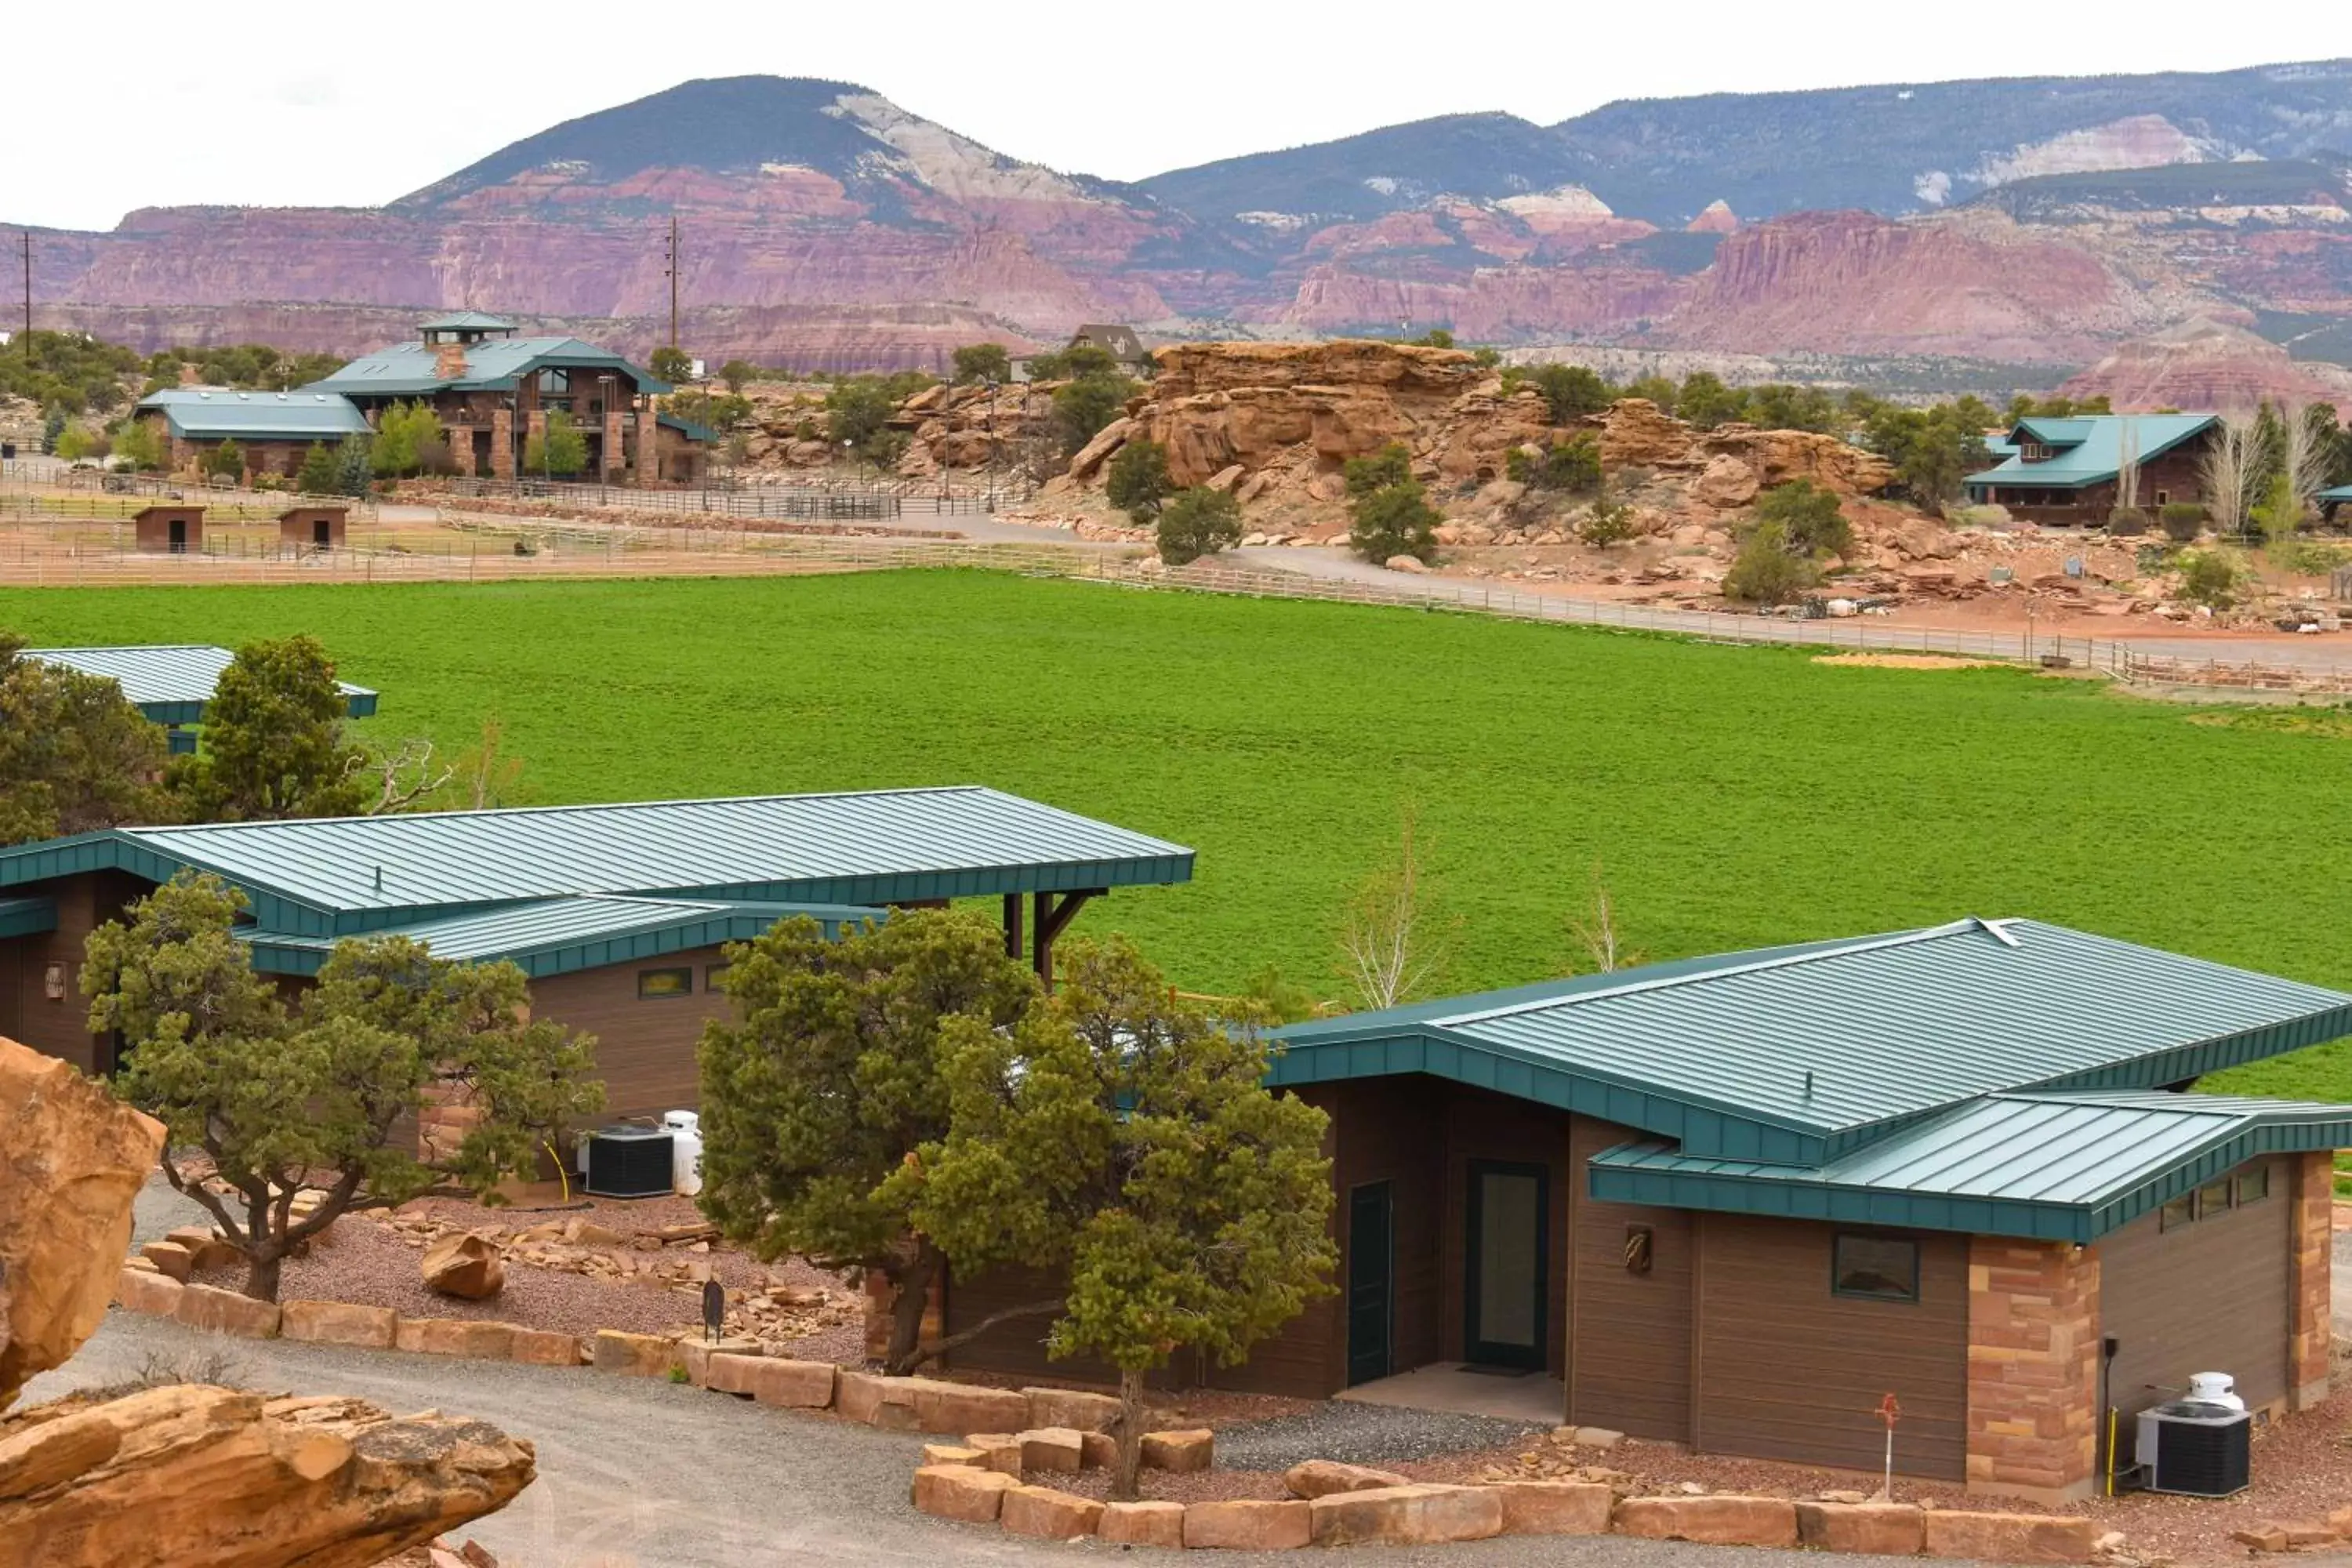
1731 1202
2073 473
494 390
172 684
619 915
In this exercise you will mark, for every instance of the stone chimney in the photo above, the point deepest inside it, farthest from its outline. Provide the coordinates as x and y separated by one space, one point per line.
449 361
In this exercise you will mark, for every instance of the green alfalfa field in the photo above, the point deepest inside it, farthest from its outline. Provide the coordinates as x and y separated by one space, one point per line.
1731 796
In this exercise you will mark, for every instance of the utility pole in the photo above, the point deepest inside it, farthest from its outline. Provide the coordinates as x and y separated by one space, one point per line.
673 280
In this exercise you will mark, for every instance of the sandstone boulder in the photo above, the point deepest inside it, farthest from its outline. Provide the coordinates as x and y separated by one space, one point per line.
1179 1451
544 1347
959 1492
1052 1448
1637 432
632 1356
1048 1514
1710 1520
1883 1529
954 1454
196 1475
1094 453
1555 1508
1248 1526
207 1248
1322 1478
2009 1537
466 1265
171 1259
72 1158
998 1451
147 1292
1071 1408
1918 538
220 1311
772 1380
942 1407
1407 563
1725 482
1141 1524
339 1323
1408 1515
465 1337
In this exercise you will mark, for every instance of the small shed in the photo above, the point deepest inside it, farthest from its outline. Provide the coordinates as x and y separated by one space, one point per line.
169 529
312 527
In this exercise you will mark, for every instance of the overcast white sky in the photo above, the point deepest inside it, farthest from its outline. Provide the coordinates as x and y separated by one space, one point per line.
278 103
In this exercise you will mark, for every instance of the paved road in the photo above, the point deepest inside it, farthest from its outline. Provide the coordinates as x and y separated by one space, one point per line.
635 1473
1876 632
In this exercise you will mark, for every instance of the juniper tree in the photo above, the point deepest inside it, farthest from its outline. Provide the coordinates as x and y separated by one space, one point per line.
831 1079
274 1101
1126 1137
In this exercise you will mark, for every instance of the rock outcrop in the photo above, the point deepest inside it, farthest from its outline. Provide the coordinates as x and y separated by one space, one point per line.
199 1477
72 1158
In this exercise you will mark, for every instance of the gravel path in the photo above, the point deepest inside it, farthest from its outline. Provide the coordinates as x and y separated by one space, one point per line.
1358 1434
651 1475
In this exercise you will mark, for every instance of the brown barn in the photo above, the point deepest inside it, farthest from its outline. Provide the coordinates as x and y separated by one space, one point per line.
2077 471
1732 1202
618 913
173 529
313 527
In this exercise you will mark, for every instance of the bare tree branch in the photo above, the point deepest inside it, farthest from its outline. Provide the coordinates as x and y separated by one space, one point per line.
1596 929
405 775
1392 950
2229 468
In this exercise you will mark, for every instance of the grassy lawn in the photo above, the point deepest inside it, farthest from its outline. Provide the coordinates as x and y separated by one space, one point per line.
1736 796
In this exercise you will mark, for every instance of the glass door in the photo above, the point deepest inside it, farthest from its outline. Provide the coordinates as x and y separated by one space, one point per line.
1507 1242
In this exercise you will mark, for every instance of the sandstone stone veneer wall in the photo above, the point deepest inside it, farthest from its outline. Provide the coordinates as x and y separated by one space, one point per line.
2309 1323
2033 1368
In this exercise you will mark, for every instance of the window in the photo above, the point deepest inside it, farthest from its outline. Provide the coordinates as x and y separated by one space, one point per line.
2176 1213
2254 1185
558 381
713 975
658 983
2213 1198
1880 1268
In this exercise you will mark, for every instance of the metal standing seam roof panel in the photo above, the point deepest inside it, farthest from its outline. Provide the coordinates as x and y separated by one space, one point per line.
2339 493
352 873
2097 1160
556 936
1889 1028
1798 1053
170 682
299 415
412 369
2088 449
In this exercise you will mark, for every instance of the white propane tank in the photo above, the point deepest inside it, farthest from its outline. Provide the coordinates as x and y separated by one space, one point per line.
2206 1387
685 1130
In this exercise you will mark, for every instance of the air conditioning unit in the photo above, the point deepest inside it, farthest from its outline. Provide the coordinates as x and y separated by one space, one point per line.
2196 1448
628 1163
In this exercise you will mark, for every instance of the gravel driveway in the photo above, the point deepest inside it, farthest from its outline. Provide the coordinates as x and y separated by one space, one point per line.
634 1473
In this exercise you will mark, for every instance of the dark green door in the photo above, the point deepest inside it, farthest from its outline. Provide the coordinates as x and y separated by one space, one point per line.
1370 1281
1507 1244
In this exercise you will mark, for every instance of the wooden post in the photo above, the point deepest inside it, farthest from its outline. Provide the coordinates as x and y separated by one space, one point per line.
1012 925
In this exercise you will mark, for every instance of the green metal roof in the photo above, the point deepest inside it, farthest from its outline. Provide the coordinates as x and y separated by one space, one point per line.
2088 449
557 936
2340 493
208 413
494 365
28 917
335 875
687 427
1799 1055
170 682
2066 1167
467 321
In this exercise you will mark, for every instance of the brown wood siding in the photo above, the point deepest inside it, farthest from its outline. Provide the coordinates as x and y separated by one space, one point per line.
84 903
1482 1125
1630 1334
646 1049
1787 1370
1381 1132
2209 1295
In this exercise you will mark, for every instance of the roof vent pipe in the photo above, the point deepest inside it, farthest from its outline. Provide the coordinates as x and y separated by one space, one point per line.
378 888
1808 1074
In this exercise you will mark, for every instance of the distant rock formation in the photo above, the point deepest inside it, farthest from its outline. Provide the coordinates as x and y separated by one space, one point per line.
2207 365
1717 218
